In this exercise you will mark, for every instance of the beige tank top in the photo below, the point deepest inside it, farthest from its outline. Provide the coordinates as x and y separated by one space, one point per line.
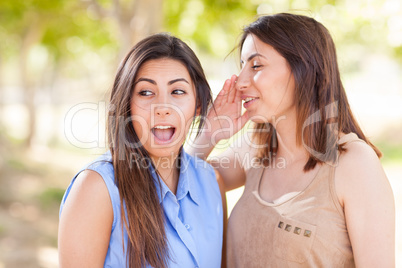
307 230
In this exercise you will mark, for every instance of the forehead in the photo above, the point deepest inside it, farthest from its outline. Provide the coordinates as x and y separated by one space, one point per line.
254 48
162 68
251 45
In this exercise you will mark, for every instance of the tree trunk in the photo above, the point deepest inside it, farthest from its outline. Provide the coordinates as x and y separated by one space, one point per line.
136 20
2 103
29 40
2 98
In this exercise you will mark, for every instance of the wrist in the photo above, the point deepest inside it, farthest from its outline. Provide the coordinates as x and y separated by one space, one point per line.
204 139
200 146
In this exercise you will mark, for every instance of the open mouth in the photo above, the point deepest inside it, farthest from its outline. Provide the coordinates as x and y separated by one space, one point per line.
248 101
163 134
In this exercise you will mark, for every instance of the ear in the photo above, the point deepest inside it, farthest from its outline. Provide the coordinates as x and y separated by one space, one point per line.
198 110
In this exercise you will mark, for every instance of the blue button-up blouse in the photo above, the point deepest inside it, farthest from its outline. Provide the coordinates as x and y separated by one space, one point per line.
193 217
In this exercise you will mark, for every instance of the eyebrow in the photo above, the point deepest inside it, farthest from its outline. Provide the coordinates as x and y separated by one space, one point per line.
252 56
178 80
145 80
142 79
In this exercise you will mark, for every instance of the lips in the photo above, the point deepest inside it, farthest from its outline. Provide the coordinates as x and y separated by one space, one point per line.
163 133
248 101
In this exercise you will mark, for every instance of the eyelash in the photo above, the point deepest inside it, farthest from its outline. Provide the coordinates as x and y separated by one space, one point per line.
182 91
255 67
147 93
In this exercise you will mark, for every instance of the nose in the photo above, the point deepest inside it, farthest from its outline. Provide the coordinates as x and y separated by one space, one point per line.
162 105
162 110
242 81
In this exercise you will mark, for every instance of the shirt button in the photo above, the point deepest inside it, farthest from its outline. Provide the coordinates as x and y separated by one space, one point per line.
187 227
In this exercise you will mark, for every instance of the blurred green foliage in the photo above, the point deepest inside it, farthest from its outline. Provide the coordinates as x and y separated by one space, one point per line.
392 153
62 40
51 23
213 25
50 198
18 164
358 27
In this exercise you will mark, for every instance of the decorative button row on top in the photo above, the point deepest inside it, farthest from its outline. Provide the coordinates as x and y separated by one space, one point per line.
297 230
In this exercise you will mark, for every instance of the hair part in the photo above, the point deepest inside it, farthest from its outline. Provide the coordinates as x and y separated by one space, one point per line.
141 211
322 106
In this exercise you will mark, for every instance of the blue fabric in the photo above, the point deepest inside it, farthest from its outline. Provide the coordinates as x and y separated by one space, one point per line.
193 217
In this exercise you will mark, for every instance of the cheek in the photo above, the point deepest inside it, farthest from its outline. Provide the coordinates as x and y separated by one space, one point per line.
187 114
140 120
187 105
258 78
141 128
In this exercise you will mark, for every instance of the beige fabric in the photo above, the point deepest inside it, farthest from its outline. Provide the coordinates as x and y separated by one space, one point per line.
306 230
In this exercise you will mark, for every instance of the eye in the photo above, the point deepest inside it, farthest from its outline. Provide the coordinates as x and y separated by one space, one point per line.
178 92
145 93
255 67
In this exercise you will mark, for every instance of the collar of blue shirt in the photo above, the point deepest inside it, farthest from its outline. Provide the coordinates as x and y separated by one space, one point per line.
187 180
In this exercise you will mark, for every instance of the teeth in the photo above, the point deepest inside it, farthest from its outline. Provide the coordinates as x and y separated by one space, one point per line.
162 127
249 99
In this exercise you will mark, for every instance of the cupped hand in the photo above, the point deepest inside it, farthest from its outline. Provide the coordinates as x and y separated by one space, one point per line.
224 119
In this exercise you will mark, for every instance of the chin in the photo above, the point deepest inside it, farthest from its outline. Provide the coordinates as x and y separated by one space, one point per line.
165 150
259 117
263 117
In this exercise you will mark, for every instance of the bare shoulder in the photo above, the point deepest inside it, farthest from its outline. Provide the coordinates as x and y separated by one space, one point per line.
88 198
358 168
89 185
358 154
85 222
366 197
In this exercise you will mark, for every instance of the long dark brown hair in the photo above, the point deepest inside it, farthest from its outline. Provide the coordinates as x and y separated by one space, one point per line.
321 103
141 211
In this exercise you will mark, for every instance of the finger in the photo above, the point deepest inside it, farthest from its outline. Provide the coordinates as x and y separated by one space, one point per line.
232 90
238 92
238 100
222 96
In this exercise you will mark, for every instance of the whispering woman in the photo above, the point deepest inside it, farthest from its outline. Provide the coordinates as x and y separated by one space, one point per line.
315 192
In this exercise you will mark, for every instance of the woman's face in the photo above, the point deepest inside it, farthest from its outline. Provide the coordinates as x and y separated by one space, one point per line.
162 106
265 81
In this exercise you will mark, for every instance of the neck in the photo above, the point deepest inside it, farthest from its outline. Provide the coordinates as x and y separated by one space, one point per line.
287 143
168 169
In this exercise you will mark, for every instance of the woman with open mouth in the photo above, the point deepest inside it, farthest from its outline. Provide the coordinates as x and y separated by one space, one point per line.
146 202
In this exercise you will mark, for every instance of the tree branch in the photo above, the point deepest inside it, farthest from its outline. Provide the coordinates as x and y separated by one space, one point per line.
97 8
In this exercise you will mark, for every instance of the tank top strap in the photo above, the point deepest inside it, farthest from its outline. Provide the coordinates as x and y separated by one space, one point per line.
347 138
253 177
350 137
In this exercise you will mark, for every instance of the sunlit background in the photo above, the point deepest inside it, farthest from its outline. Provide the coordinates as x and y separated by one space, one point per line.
58 59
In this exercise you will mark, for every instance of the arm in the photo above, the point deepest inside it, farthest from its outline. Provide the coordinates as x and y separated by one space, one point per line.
225 216
234 161
223 121
85 223
365 193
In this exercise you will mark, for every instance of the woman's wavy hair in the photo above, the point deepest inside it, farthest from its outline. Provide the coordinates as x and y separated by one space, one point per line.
141 210
322 106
